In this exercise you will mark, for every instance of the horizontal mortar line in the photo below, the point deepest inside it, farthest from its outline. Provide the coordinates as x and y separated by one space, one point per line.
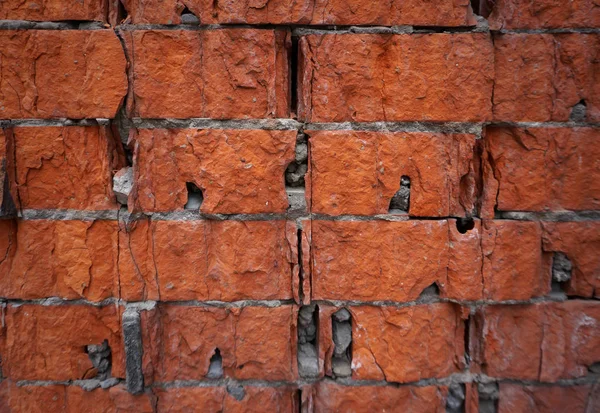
207 123
87 25
87 384
549 31
6 123
550 216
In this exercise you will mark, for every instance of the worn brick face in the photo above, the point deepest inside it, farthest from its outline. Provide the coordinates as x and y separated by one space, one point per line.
432 77
546 399
53 10
61 74
522 14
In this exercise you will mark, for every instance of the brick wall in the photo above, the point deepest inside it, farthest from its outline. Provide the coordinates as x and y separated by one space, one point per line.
300 206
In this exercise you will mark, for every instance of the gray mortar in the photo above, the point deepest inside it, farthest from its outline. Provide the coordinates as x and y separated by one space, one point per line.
100 356
308 360
202 123
558 216
488 396
132 338
561 267
236 390
342 339
455 402
578 113
215 368
123 184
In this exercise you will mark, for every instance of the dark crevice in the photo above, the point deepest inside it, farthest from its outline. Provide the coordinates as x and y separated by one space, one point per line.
482 8
195 196
400 202
215 368
341 362
464 225
308 353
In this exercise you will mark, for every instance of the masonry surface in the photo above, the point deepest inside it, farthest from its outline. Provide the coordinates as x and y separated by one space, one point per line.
300 206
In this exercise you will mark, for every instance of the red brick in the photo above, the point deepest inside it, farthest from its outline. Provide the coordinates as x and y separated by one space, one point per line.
65 167
61 74
38 10
514 270
580 241
540 77
239 171
544 14
406 344
359 172
541 169
429 77
254 342
49 342
545 342
66 259
216 399
228 73
339 12
207 260
71 399
465 279
515 398
330 397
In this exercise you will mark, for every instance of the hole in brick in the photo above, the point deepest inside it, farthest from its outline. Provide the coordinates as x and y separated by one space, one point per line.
121 12
561 271
455 403
401 200
293 61
296 170
488 397
430 293
578 112
341 362
100 356
215 368
464 225
308 359
594 368
236 391
187 17
195 196
482 8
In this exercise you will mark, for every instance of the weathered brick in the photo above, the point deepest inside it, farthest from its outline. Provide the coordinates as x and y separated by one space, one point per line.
329 397
546 342
540 77
544 14
217 399
580 241
407 344
228 73
254 342
429 77
514 270
541 169
61 74
465 279
70 399
66 259
339 12
238 171
359 172
38 10
65 167
49 342
515 398
206 260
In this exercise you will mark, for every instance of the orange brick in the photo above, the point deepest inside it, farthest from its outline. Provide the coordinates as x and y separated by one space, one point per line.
547 399
544 14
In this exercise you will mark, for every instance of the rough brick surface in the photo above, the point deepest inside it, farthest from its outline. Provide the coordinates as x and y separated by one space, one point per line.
429 77
523 14
545 342
228 73
61 74
254 342
65 167
37 10
579 241
66 259
318 12
206 260
522 399
48 342
238 171
540 77
359 172
541 169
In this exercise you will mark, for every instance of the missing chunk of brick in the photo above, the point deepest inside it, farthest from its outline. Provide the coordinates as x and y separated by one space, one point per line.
488 397
594 368
215 368
482 8
464 225
188 17
100 356
430 293
561 271
296 171
195 197
578 112
236 391
308 358
455 402
400 202
341 362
